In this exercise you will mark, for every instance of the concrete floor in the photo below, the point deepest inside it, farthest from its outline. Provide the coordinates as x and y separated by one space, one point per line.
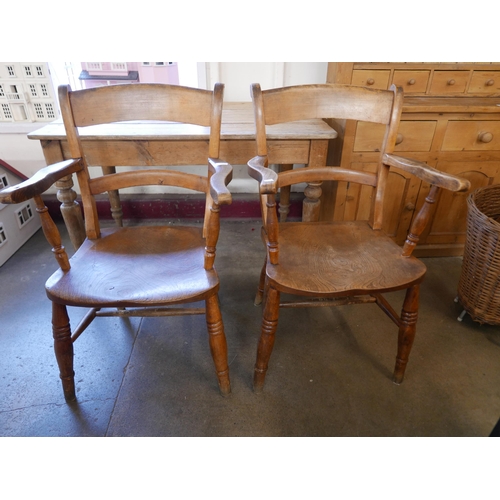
329 373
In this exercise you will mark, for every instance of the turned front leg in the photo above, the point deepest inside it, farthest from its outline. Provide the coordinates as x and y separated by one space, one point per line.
218 345
63 348
267 336
407 329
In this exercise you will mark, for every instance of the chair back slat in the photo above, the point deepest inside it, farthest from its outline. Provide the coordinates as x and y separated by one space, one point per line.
118 103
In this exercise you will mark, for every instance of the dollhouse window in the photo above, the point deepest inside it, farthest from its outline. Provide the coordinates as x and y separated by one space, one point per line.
45 91
94 66
11 70
3 236
4 182
119 66
38 110
27 71
24 214
49 109
7 112
33 90
39 70
2 91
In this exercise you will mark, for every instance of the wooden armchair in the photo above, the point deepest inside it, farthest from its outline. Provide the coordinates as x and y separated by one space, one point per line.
141 270
337 263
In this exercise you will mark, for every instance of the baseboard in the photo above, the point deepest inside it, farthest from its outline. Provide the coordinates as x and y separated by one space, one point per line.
244 206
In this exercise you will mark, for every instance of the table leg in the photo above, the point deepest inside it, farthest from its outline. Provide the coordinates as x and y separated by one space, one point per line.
114 199
312 203
70 211
284 204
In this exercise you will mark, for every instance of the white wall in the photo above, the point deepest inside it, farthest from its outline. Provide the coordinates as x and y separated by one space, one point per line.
26 155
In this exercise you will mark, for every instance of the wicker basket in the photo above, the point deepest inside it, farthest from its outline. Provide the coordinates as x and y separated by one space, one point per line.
479 284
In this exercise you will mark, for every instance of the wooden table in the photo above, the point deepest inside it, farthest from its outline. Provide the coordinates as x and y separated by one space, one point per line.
158 143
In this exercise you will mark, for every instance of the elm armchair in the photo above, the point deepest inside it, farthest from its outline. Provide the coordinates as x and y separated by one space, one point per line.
337 263
134 270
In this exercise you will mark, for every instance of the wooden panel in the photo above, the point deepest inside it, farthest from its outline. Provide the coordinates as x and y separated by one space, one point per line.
472 136
485 82
375 79
449 82
411 81
159 154
412 136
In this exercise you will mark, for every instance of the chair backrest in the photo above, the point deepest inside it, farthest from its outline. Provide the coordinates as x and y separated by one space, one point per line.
340 102
153 103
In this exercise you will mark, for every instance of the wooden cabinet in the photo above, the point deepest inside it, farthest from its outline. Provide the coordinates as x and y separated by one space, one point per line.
450 120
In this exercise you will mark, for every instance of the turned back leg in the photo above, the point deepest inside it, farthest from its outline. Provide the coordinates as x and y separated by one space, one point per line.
218 345
63 348
407 331
260 291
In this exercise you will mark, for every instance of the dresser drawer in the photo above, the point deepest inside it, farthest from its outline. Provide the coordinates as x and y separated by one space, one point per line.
376 79
485 82
472 136
411 81
412 136
449 82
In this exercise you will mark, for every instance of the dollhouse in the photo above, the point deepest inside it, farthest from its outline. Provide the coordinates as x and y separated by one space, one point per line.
26 93
18 223
97 74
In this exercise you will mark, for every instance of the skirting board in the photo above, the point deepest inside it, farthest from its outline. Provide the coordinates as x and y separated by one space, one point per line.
179 207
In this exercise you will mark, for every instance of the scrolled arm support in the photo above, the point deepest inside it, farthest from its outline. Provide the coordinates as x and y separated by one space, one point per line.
420 222
267 178
222 174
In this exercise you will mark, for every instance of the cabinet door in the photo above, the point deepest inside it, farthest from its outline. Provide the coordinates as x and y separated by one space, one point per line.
446 230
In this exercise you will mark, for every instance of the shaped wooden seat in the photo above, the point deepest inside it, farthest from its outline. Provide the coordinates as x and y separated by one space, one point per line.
143 270
337 263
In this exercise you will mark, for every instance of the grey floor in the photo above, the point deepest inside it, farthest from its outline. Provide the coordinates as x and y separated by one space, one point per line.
329 373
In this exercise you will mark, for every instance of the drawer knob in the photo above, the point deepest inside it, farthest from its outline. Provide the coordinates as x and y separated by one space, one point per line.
485 137
410 207
399 139
451 82
370 81
489 83
412 81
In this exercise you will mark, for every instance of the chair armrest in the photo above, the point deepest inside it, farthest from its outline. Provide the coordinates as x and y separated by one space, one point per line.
222 174
426 173
268 179
39 182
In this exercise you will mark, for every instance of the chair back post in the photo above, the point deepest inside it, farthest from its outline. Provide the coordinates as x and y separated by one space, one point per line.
260 124
92 227
388 144
213 150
